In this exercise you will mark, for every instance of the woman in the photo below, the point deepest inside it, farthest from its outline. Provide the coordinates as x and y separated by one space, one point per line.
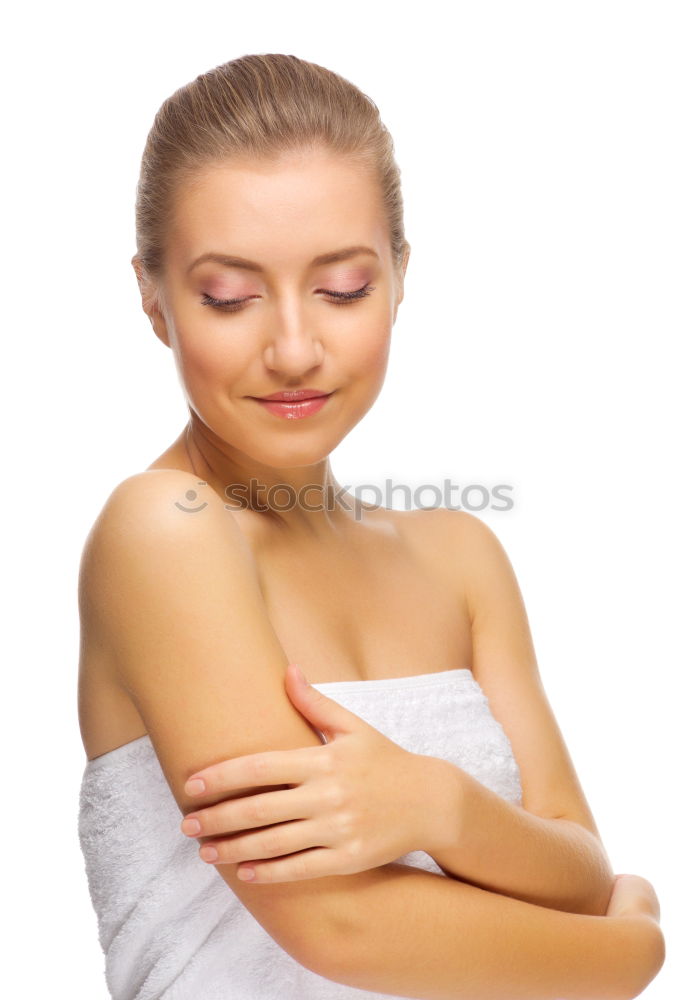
420 833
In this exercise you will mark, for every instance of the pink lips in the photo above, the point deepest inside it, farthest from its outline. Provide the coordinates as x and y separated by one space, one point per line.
293 395
294 405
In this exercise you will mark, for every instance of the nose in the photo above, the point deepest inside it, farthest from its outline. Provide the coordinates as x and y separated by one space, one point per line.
293 347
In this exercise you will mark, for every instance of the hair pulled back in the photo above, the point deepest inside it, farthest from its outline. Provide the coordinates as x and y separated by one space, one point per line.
258 107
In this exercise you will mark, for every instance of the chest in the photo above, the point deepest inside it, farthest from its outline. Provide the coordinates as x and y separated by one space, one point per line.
386 612
385 607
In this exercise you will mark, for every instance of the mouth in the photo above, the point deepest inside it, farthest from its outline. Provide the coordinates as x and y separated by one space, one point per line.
293 408
293 396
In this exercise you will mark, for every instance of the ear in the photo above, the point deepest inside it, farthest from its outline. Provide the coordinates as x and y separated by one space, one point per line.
150 301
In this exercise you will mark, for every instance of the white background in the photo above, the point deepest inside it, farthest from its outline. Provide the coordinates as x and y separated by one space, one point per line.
541 343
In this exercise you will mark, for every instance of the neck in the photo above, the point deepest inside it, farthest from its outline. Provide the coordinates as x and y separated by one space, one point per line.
306 500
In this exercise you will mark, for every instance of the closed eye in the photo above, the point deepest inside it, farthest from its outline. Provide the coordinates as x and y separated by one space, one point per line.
343 297
337 298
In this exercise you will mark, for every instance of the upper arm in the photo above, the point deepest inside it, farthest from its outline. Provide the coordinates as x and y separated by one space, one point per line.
504 664
174 598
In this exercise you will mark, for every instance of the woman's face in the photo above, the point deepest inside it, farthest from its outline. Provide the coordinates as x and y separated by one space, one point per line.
287 332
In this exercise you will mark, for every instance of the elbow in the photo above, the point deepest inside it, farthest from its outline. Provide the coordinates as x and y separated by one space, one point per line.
327 946
326 957
336 937
315 921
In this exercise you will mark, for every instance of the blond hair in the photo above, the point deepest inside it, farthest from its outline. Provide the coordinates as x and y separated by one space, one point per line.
259 106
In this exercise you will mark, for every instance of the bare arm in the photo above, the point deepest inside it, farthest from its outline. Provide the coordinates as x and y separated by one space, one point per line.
174 597
500 846
548 850
417 934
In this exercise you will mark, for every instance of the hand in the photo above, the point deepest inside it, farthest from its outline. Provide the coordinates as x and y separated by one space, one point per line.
356 802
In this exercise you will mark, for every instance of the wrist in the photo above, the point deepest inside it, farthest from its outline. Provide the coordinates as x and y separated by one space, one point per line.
440 810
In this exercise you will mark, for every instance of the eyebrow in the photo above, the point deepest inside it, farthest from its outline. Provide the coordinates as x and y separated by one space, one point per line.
249 265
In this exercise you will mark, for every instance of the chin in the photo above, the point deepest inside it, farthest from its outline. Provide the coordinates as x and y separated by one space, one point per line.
292 457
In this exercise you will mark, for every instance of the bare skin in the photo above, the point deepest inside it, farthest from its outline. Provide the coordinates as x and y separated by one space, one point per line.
331 636
318 567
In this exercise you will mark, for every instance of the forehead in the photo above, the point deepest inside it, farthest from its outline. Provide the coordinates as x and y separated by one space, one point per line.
280 211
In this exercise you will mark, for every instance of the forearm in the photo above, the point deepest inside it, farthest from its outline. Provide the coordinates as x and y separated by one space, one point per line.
490 842
418 934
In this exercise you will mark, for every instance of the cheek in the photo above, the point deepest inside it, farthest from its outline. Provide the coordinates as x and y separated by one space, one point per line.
372 348
209 358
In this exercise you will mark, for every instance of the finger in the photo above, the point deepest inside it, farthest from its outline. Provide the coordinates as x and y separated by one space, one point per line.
250 811
316 863
326 714
273 842
271 767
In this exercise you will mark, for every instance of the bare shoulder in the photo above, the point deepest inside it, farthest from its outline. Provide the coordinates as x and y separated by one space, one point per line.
468 541
454 540
163 520
161 495
439 523
460 525
165 574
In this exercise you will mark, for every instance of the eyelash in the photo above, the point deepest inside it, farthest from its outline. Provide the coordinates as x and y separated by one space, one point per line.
341 299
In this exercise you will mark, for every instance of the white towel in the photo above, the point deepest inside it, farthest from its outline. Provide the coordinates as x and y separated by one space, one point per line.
169 925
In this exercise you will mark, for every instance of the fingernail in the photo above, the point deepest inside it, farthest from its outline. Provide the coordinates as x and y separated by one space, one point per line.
208 853
191 827
245 874
195 786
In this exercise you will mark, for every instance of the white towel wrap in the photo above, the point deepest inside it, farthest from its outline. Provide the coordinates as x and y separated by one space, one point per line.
169 925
